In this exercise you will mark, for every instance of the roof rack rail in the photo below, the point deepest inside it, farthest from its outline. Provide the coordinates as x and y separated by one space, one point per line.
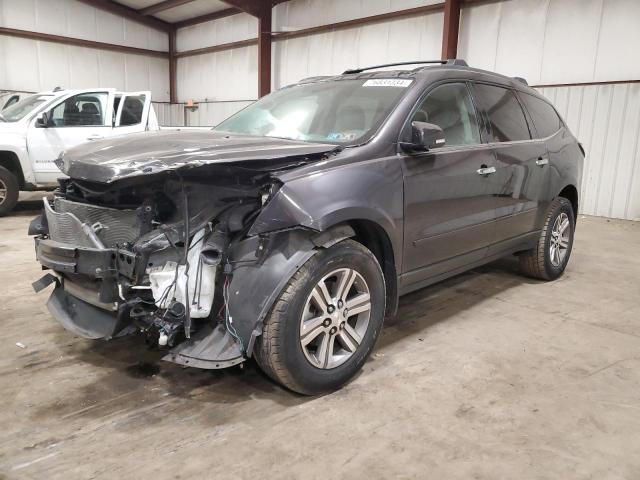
451 61
521 80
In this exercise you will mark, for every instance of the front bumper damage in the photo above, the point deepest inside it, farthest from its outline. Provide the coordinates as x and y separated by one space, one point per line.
107 291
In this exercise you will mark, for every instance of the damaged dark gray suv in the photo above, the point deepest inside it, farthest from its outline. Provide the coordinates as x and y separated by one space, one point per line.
289 231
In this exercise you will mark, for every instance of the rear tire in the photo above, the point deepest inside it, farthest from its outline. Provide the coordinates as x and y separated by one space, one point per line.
290 349
548 260
9 190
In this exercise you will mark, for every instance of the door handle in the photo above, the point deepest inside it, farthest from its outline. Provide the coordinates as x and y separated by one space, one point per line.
95 137
542 161
484 170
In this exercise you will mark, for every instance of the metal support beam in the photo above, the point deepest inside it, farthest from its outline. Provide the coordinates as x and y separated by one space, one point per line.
173 68
79 42
255 8
450 30
264 53
162 6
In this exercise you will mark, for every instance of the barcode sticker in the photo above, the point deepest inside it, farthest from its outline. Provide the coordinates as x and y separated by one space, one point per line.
387 82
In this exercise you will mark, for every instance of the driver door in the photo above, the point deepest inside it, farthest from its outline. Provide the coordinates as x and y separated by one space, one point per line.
77 119
449 211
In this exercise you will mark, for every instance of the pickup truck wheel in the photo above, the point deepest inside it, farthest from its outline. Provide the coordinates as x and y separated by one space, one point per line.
549 258
326 321
9 190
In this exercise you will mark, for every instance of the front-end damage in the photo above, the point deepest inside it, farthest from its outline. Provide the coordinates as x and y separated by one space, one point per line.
169 254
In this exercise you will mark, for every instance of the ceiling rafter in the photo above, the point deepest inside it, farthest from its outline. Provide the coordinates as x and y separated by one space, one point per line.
162 6
257 8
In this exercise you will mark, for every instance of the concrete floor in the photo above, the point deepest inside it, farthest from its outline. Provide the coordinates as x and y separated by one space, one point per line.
488 375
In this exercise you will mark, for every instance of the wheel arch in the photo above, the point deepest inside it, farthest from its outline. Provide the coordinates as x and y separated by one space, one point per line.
570 192
11 162
375 238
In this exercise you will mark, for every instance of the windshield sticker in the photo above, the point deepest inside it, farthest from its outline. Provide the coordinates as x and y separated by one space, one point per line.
387 82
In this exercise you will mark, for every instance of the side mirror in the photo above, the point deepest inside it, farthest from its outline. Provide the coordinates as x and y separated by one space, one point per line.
424 137
43 121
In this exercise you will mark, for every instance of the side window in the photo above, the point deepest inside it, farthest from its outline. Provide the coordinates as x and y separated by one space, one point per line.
545 118
82 110
449 106
132 110
506 117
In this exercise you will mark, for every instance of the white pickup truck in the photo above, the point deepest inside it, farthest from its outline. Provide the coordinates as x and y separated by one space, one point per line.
36 129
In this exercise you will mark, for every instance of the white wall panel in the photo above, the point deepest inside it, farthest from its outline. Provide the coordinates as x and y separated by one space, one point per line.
36 66
297 14
75 19
224 30
329 53
228 75
606 120
554 41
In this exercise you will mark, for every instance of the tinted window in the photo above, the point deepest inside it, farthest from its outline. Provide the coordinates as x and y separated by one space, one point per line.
449 106
81 110
132 110
544 117
506 118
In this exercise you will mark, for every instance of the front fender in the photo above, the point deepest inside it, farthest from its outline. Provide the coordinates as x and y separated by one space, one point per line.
262 266
366 190
16 143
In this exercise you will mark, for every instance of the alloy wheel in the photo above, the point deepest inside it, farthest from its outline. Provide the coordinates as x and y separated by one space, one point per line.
560 238
3 192
335 318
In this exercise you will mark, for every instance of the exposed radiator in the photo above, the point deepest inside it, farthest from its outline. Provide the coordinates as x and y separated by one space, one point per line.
112 226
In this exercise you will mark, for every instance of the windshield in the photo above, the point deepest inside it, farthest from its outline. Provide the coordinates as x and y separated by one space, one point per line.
345 112
17 111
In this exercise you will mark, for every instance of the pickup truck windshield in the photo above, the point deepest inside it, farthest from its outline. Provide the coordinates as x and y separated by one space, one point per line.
17 111
345 112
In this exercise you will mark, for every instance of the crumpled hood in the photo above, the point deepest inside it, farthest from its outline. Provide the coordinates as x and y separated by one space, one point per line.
148 153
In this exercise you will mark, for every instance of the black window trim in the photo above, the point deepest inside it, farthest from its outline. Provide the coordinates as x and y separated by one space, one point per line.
422 98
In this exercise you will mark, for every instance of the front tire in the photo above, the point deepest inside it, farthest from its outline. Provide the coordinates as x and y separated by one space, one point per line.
548 260
326 321
9 190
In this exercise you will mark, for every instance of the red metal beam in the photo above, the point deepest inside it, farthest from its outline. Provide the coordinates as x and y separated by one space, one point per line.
207 17
79 42
450 30
217 48
162 6
173 68
264 53
257 8
130 13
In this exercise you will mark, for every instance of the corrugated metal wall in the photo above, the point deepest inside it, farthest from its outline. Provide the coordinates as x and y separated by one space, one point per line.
606 119
36 66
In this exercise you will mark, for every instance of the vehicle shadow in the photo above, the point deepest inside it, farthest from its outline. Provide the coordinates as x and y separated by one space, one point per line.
130 372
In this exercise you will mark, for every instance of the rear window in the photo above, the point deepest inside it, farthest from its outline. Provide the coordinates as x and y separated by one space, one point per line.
545 119
506 117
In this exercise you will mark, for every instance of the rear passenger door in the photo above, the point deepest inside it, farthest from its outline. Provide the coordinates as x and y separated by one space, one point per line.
132 112
521 164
